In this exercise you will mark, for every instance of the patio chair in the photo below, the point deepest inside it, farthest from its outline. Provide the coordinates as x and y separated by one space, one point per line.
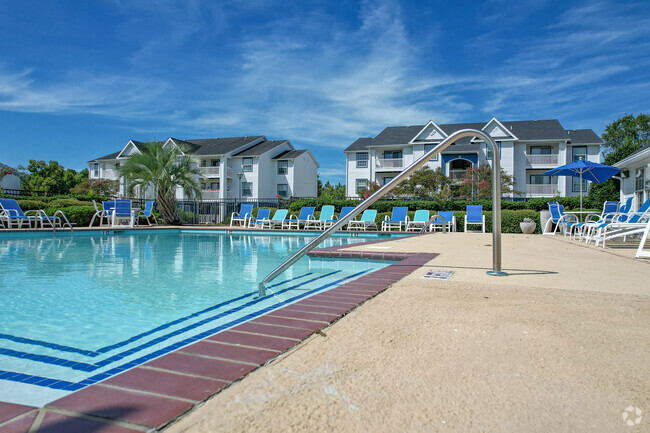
10 213
640 251
262 215
344 211
326 216
147 213
101 214
610 208
635 224
367 221
277 220
398 218
244 214
559 218
474 216
420 219
121 212
306 214
591 228
449 220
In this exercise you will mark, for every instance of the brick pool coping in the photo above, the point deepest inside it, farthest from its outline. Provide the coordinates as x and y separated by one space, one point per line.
152 395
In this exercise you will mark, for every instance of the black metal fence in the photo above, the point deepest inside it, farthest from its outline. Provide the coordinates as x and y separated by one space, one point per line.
23 193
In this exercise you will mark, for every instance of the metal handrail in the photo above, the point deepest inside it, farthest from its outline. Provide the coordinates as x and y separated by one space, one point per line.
431 220
496 205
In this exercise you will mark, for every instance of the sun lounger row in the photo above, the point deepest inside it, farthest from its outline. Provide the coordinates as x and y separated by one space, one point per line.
12 216
398 220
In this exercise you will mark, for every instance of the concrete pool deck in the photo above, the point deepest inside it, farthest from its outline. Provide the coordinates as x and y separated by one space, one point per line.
560 345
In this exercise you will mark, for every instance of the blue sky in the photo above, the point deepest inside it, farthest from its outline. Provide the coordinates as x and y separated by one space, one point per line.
78 79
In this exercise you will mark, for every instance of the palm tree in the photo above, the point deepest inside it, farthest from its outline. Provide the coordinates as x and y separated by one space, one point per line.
163 169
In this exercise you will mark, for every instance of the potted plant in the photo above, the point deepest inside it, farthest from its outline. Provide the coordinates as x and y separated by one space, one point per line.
528 226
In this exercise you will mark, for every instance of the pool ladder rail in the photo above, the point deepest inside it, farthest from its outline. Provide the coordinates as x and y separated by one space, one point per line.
496 205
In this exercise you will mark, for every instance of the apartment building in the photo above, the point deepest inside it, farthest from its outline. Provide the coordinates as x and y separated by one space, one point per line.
635 176
527 149
233 167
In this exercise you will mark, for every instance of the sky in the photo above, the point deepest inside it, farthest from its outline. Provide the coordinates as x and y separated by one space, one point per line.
79 79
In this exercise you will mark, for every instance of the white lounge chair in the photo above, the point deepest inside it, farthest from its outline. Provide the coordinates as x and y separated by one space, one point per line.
367 221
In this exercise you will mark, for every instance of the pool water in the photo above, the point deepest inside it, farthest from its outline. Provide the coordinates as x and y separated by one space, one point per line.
78 309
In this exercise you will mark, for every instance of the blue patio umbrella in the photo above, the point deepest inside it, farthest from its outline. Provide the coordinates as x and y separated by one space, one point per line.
591 171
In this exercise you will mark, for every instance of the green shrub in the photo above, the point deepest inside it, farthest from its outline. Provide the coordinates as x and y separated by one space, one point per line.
79 215
60 203
31 204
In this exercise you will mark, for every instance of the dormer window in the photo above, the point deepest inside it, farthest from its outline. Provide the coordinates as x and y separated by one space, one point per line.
247 164
283 166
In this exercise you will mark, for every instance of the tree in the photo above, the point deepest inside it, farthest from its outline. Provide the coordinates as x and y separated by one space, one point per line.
370 189
331 192
101 187
52 177
625 136
478 182
163 169
424 182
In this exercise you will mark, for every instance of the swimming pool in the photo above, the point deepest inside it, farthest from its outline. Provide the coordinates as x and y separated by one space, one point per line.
78 309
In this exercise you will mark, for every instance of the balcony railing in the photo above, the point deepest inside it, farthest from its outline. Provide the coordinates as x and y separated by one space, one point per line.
210 171
457 174
547 190
550 159
389 163
209 194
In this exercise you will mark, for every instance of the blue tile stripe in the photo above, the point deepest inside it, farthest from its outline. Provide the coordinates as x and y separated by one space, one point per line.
117 357
72 386
90 353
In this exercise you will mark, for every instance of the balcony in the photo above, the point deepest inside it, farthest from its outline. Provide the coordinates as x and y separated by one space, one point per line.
544 190
389 164
209 194
112 174
550 159
215 171
457 175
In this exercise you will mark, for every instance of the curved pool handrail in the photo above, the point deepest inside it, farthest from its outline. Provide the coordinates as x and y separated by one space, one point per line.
496 205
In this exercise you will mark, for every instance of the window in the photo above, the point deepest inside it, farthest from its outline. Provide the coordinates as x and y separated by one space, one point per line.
247 164
579 152
117 165
639 179
283 167
216 162
362 160
388 179
540 150
427 148
214 185
392 154
283 190
204 163
246 189
576 184
95 169
489 150
540 179
361 185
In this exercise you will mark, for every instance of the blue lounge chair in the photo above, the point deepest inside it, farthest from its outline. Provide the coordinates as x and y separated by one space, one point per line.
277 221
399 218
262 216
367 221
121 212
326 216
102 214
11 213
420 219
147 213
449 220
306 214
344 211
635 223
474 216
559 218
244 214
610 208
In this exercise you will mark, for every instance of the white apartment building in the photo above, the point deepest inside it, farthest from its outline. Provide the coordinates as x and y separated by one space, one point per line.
233 167
527 149
635 176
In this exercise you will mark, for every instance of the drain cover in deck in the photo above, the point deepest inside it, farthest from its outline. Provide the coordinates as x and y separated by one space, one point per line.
438 275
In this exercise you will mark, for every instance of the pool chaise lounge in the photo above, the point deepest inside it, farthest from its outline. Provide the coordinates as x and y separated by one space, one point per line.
244 214
366 222
263 215
610 208
447 218
10 213
277 221
474 216
399 217
147 213
326 216
306 215
636 224
560 219
419 221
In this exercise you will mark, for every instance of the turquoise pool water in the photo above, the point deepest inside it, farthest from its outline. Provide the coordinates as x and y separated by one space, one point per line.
77 309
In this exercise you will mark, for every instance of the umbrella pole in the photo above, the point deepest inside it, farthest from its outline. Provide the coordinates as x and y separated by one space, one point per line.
581 192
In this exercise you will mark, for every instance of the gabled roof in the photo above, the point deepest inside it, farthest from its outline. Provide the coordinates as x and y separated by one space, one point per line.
106 157
550 129
637 155
262 147
583 136
293 154
219 146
